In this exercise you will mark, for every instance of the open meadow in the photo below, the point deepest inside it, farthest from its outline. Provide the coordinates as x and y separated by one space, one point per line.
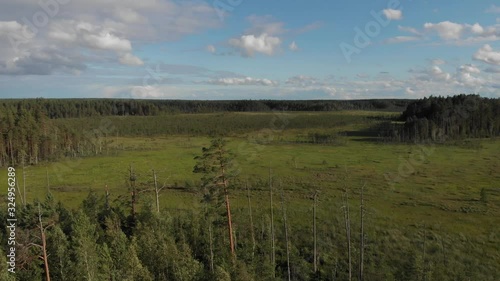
436 199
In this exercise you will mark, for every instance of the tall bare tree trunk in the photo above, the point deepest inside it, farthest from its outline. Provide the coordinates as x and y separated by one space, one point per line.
134 191
348 230
423 256
315 257
157 192
361 238
47 176
229 223
286 234
24 185
44 245
211 243
228 207
273 253
252 231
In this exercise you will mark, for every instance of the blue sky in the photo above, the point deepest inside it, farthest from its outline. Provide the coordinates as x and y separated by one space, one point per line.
242 49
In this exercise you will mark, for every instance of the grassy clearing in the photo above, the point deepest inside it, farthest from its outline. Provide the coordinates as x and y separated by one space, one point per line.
443 189
407 186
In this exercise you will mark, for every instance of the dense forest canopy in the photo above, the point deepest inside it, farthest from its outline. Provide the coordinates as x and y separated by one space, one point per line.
447 118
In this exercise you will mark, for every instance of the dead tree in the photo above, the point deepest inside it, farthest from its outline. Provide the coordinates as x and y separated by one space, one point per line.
252 231
43 243
361 237
133 192
157 191
47 177
273 253
283 208
45 257
315 253
347 230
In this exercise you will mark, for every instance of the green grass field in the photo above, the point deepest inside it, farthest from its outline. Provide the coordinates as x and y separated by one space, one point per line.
408 187
442 187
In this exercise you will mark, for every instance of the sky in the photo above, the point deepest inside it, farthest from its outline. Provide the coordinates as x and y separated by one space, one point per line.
248 49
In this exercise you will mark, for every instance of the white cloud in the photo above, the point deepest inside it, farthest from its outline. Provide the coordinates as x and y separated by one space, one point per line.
42 62
469 68
293 47
446 30
401 39
477 29
129 59
410 30
434 73
88 35
247 81
303 81
493 9
13 27
488 55
95 30
465 76
393 14
211 49
438 62
251 44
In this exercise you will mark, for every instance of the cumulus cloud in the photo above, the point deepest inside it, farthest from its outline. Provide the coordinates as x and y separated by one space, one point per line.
129 59
392 14
461 34
488 55
446 30
42 62
265 36
88 35
95 29
247 81
465 76
434 73
251 44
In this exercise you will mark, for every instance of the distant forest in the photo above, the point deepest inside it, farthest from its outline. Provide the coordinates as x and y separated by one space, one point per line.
77 108
29 133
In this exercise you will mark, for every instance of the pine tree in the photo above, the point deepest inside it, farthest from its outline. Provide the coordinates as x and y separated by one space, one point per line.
215 165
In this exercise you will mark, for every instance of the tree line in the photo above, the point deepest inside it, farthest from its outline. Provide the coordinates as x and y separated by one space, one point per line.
448 118
28 136
78 108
